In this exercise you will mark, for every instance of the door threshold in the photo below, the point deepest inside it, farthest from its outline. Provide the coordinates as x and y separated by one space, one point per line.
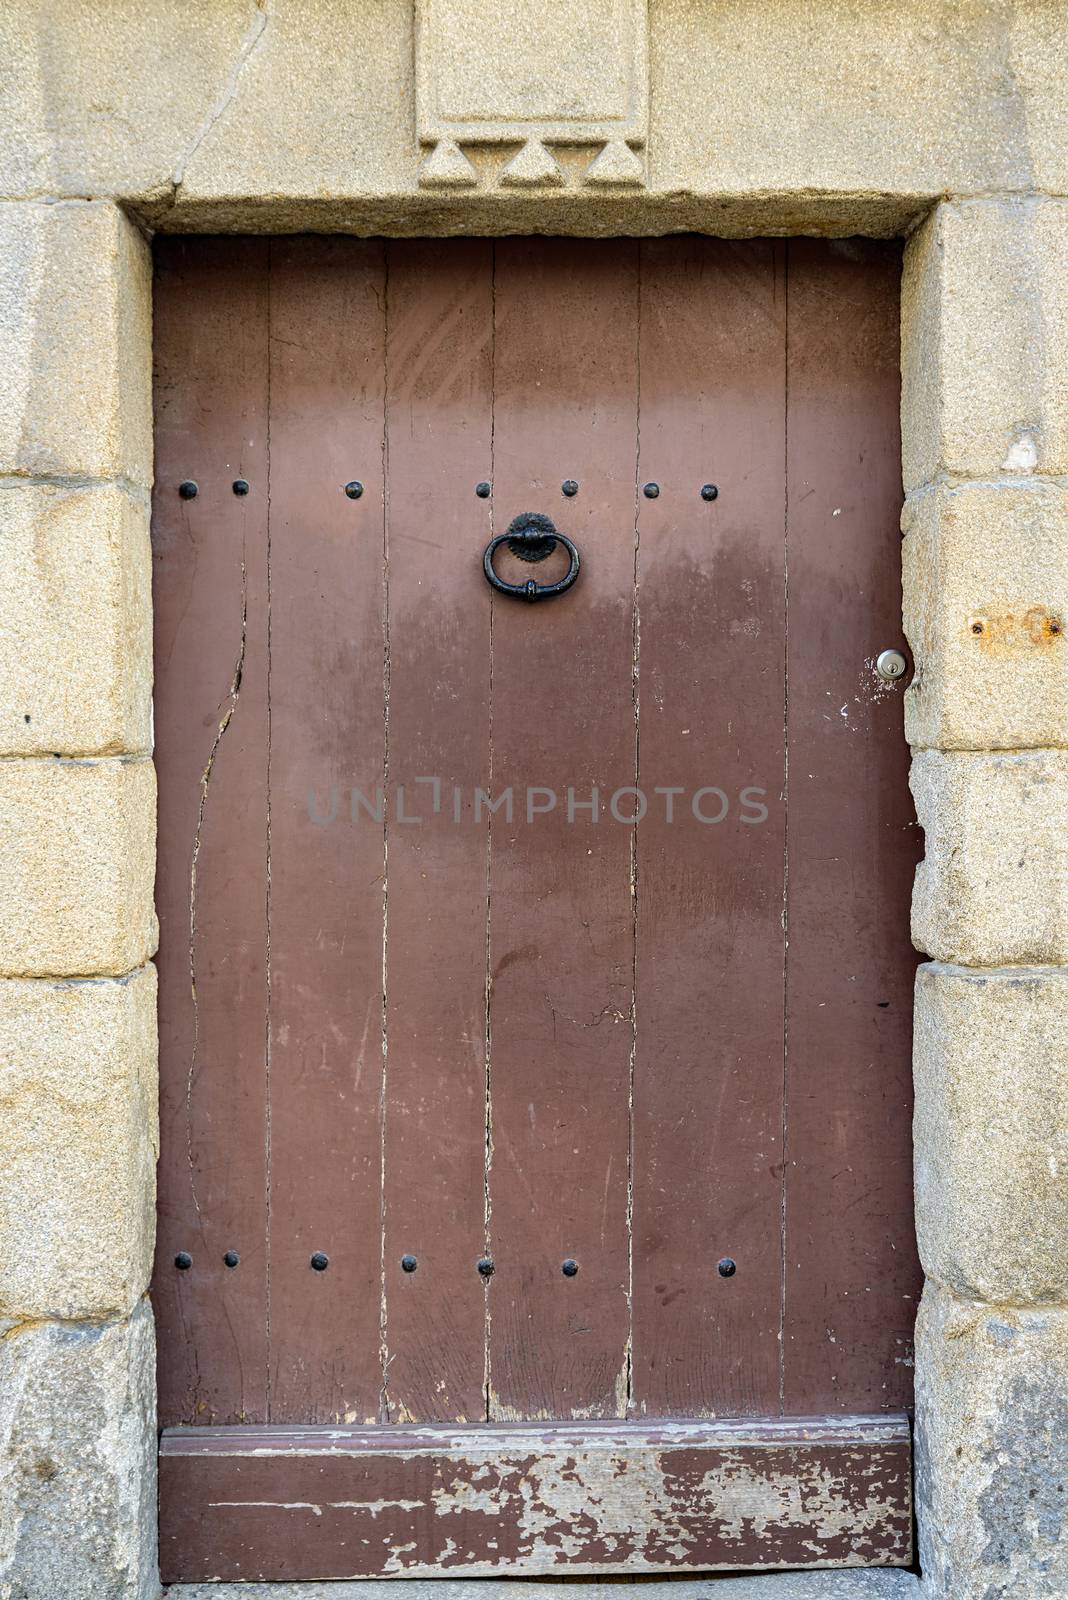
869 1584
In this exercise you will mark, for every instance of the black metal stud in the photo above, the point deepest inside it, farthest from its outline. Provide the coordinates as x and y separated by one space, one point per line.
569 487
231 1258
727 1268
408 1263
183 1261
319 1262
569 1268
651 491
188 490
485 1267
483 490
709 491
240 486
354 489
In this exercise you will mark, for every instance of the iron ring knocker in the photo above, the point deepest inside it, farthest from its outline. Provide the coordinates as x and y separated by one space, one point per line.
531 536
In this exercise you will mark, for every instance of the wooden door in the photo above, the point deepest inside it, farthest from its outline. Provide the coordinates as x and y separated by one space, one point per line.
535 980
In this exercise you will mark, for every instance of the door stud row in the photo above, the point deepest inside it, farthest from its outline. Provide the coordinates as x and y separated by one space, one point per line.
485 1266
189 489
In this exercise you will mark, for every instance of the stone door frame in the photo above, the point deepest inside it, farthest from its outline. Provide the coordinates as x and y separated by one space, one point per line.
985 562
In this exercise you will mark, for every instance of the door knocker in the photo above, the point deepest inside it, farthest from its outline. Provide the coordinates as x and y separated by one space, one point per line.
531 536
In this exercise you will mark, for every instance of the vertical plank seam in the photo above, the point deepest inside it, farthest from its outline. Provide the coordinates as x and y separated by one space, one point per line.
487 1157
267 893
786 816
383 1329
634 689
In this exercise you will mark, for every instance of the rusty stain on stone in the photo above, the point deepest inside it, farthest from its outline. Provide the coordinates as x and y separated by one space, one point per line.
1008 633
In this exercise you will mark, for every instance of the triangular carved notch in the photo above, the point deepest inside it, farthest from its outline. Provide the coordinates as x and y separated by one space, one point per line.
532 167
446 167
615 164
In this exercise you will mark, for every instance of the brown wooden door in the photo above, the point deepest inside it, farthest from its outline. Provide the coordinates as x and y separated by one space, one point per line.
535 981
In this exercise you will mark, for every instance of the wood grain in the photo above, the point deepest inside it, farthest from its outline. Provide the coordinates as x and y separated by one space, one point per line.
587 1499
708 1080
211 722
327 732
562 917
852 1277
439 430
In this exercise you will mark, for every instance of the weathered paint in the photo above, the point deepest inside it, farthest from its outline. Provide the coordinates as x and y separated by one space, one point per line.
292 1503
531 1039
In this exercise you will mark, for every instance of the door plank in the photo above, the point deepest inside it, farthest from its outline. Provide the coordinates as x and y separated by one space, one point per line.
852 1277
210 579
561 916
708 1068
327 596
300 1504
439 365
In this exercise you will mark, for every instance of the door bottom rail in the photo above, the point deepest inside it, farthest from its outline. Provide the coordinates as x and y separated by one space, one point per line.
298 1504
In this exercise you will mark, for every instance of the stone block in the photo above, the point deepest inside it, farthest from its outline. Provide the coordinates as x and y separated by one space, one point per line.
856 125
285 129
991 1131
991 1450
108 99
985 580
76 618
993 885
985 341
1038 62
77 865
849 99
75 343
78 1461
78 1144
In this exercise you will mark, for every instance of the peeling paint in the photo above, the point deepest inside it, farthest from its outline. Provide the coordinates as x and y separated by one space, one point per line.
533 1499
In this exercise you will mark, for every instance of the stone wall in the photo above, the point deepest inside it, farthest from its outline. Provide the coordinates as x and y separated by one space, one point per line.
78 1086
985 561
946 120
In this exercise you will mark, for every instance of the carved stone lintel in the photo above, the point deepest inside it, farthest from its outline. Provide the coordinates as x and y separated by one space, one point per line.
571 75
